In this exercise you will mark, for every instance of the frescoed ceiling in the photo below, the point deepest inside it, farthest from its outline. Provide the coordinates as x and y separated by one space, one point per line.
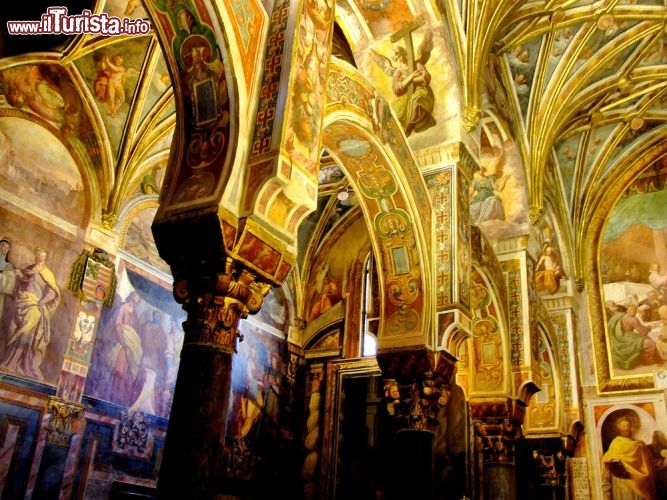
582 86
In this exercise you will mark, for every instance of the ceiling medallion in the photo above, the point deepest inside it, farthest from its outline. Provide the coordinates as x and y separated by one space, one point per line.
637 123
605 22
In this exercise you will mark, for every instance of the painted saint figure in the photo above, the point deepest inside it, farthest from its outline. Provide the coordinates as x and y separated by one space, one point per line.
628 472
152 373
485 204
413 97
110 81
631 345
328 297
548 271
125 357
36 297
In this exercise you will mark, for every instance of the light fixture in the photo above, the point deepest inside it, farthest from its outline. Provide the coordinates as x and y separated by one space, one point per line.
343 195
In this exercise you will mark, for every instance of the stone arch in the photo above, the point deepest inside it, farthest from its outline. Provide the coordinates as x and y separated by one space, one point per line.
362 135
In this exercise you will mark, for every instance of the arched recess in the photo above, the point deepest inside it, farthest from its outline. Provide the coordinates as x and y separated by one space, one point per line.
543 413
362 135
489 350
626 170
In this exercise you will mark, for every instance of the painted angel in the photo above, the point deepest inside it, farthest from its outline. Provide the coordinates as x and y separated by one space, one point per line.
413 97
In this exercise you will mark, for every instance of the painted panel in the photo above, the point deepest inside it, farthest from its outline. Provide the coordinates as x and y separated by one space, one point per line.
112 73
260 428
137 349
633 276
27 173
38 312
330 267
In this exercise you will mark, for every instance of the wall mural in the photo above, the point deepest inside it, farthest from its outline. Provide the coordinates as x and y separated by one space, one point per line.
27 172
37 310
631 445
329 278
46 92
497 192
413 99
633 275
274 309
112 74
260 425
137 348
139 241
549 274
399 50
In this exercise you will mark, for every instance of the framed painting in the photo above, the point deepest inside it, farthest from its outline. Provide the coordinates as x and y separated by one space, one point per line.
625 266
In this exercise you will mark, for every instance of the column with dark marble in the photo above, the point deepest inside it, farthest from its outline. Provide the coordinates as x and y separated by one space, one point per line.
215 302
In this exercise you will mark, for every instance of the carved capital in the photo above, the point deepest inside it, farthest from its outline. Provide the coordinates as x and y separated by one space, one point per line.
217 301
300 323
109 220
64 420
415 405
497 440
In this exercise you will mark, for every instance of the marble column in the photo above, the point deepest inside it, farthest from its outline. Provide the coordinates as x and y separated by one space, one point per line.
215 304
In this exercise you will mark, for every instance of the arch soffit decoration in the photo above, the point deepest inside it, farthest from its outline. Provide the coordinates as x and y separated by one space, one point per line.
374 155
590 236
201 162
501 318
527 389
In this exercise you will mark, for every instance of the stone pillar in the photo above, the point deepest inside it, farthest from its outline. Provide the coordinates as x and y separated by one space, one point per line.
495 439
409 419
215 303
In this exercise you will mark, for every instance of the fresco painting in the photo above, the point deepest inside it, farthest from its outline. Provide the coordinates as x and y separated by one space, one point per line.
137 348
274 310
112 74
498 200
633 269
630 436
549 273
329 276
260 422
37 310
413 99
139 240
27 172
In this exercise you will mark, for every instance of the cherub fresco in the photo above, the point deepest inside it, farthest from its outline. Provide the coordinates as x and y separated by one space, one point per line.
548 271
109 85
413 100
